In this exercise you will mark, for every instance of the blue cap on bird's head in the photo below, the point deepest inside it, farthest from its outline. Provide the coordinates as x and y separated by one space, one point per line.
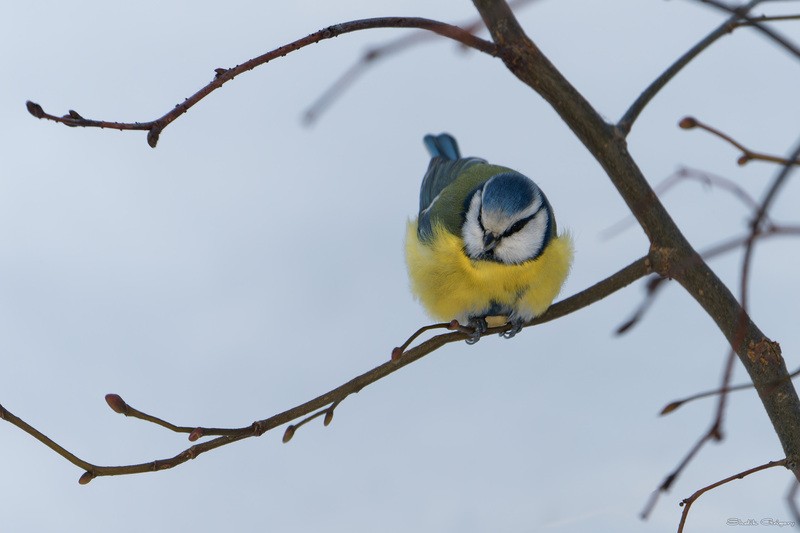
508 193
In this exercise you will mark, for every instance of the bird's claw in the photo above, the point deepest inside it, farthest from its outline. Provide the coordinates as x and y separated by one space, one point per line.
479 327
516 327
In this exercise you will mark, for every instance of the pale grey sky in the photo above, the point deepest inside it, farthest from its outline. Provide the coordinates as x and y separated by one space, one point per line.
250 263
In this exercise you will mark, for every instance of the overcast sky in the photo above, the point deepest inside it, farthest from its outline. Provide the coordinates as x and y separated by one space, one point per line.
250 263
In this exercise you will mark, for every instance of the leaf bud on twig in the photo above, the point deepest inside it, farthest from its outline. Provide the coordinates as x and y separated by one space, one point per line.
116 403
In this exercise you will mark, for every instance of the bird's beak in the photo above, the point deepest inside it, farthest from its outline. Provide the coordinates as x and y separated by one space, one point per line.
489 242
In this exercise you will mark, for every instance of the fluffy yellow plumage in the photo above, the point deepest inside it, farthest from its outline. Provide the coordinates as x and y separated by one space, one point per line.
451 285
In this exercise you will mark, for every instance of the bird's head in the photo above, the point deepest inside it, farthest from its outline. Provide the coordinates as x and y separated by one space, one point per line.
507 219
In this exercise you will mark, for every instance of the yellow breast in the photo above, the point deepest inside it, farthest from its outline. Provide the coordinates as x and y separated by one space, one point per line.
451 285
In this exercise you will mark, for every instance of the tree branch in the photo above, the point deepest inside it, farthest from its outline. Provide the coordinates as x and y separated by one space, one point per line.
626 122
655 282
741 12
323 404
687 174
675 404
376 53
671 255
687 503
223 75
766 391
748 155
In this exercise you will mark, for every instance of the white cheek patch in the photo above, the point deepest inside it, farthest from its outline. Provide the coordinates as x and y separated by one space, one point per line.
526 243
472 233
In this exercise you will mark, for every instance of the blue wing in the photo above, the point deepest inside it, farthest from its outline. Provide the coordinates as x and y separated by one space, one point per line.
445 166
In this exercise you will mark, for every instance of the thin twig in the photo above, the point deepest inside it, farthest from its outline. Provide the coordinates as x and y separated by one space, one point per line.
681 176
328 412
397 352
626 122
777 184
651 288
748 155
756 227
656 282
319 406
118 405
714 180
741 13
223 75
715 431
766 18
634 271
711 434
764 346
377 53
791 500
671 255
675 404
41 437
687 503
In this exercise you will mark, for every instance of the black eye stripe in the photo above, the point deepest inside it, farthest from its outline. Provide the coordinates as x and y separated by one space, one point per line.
519 224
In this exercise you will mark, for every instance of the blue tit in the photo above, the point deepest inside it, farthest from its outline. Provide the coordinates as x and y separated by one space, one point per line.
484 249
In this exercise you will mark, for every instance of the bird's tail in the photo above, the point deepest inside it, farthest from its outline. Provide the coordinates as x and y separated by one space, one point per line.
442 145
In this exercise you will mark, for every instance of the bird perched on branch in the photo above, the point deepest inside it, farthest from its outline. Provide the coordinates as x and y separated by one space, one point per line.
484 245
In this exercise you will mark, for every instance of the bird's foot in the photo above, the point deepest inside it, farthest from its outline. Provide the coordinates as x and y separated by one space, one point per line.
479 327
516 327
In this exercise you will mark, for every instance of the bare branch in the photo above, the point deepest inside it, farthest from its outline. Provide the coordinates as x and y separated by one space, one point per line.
118 405
687 503
676 404
377 53
766 18
680 176
756 350
714 180
41 437
791 500
760 351
775 187
671 255
738 19
655 282
651 288
749 247
712 433
689 123
328 412
595 293
223 75
741 13
626 122
322 405
399 350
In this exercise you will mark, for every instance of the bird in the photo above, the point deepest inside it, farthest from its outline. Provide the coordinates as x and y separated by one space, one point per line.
484 248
